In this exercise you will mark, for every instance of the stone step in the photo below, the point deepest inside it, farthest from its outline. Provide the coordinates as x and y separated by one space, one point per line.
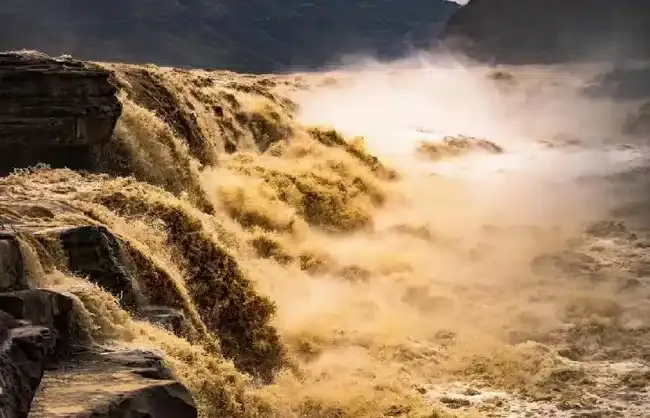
45 308
23 356
39 376
116 385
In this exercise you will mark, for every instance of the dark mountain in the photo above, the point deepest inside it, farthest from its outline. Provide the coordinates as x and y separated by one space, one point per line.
250 35
552 31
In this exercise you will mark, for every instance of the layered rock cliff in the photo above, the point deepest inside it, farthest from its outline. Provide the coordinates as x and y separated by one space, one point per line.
56 110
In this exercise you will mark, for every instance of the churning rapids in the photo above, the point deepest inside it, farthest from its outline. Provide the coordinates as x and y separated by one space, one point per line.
493 261
536 256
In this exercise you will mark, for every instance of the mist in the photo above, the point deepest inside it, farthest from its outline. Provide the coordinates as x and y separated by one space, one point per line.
421 238
467 233
550 130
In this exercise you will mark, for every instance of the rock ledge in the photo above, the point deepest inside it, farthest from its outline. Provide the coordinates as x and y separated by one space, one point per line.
54 111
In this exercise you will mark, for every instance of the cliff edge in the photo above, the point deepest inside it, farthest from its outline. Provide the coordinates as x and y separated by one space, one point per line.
120 294
60 112
57 110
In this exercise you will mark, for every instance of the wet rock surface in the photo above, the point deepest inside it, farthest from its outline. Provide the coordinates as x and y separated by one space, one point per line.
45 371
12 270
113 384
168 318
94 252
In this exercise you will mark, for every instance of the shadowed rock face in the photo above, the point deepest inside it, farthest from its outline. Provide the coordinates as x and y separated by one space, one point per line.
12 270
22 362
45 373
43 308
34 327
54 111
97 254
551 31
94 252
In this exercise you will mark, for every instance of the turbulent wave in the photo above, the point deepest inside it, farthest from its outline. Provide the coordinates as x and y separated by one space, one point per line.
329 271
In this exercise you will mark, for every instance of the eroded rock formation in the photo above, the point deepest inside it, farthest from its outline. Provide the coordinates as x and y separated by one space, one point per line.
22 362
43 352
56 111
12 276
61 112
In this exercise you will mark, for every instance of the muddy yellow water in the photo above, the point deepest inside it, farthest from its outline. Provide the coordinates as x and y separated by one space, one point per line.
321 281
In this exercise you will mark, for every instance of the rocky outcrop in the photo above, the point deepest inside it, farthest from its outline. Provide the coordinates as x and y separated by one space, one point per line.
113 385
12 269
45 371
93 252
54 111
23 355
34 328
171 319
551 31
44 308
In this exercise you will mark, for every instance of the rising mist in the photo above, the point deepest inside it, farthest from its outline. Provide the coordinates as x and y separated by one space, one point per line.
320 281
